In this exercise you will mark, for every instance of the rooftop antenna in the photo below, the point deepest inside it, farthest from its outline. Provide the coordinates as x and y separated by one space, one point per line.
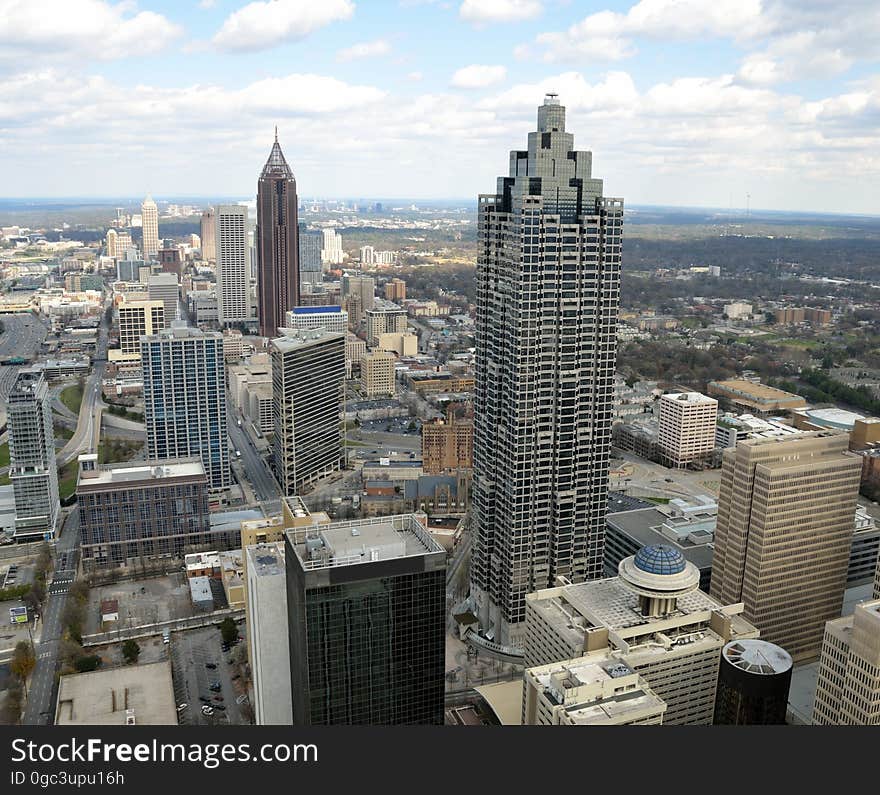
748 199
276 133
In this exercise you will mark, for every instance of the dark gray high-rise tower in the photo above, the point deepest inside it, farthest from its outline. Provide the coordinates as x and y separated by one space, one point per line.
548 283
277 242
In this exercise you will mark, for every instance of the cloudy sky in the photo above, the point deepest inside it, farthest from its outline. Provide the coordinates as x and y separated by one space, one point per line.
683 102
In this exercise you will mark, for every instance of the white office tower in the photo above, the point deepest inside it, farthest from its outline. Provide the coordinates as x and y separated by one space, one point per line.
329 318
185 399
32 467
848 687
367 255
308 382
548 283
332 252
150 223
233 264
267 636
164 287
687 428
112 242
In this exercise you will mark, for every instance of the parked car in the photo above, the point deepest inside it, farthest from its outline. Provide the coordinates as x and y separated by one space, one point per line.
212 666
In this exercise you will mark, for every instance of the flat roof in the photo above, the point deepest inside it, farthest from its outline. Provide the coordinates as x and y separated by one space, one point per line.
692 398
643 526
292 339
132 473
265 560
361 541
105 697
757 392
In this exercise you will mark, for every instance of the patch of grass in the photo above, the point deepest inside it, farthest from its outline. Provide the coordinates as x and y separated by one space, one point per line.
4 454
115 451
62 431
67 479
72 396
659 500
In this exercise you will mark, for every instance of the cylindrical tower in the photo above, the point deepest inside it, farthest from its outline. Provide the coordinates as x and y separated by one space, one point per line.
753 682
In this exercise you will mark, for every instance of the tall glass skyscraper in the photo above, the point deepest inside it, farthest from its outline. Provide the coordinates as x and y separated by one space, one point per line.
185 399
32 467
366 610
277 242
310 243
548 283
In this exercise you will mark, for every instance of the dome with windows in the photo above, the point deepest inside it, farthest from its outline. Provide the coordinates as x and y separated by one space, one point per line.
660 559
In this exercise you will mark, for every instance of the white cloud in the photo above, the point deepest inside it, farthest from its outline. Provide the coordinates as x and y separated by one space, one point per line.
415 77
478 76
261 25
207 3
365 49
43 30
482 11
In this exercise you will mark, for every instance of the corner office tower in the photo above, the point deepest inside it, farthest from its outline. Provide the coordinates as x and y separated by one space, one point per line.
277 242
548 284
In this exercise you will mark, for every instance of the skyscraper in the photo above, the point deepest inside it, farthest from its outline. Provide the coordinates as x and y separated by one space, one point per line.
310 270
366 611
32 467
548 282
207 233
150 221
277 242
308 379
233 264
185 399
784 534
165 287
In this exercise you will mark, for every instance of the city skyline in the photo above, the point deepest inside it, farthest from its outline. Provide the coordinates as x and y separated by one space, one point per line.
758 98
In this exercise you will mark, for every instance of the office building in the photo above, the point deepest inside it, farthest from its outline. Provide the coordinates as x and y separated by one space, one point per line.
687 428
170 261
362 286
404 344
164 287
731 428
310 243
276 241
757 399
651 618
136 512
233 264
137 318
207 233
111 242
268 648
32 467
753 682
185 399
331 251
544 393
354 349
308 381
366 255
848 687
377 373
366 612
329 318
150 227
395 290
738 310
784 534
384 318
447 445
586 693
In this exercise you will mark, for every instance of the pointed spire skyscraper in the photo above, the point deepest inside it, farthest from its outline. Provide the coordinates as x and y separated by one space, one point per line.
277 242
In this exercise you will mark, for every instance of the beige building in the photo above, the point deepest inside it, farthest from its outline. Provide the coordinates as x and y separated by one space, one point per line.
395 290
355 347
258 406
150 221
651 618
758 399
384 318
784 532
848 687
447 444
687 428
377 373
137 318
404 344
586 693
241 376
125 696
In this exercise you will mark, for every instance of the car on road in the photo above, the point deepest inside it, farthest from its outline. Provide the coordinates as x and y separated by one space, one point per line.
212 666
181 707
218 698
205 699
220 707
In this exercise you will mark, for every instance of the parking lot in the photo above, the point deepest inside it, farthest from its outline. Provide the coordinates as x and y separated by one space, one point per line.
142 601
192 651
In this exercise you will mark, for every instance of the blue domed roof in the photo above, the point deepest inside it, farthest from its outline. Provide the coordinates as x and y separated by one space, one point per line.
660 559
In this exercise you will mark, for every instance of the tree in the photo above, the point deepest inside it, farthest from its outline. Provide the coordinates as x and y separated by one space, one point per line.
229 630
11 711
88 662
130 651
23 660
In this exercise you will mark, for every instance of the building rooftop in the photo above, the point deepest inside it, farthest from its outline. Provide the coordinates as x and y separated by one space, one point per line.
132 694
691 398
139 473
833 418
265 560
200 589
760 393
361 541
293 339
756 656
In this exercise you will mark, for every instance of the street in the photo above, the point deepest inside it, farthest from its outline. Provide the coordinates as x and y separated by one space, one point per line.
259 476
41 693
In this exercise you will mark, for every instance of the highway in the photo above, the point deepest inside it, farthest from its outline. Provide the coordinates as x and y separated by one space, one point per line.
41 693
258 473
88 427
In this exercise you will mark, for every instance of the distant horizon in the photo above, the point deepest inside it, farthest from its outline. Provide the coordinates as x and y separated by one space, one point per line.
111 200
